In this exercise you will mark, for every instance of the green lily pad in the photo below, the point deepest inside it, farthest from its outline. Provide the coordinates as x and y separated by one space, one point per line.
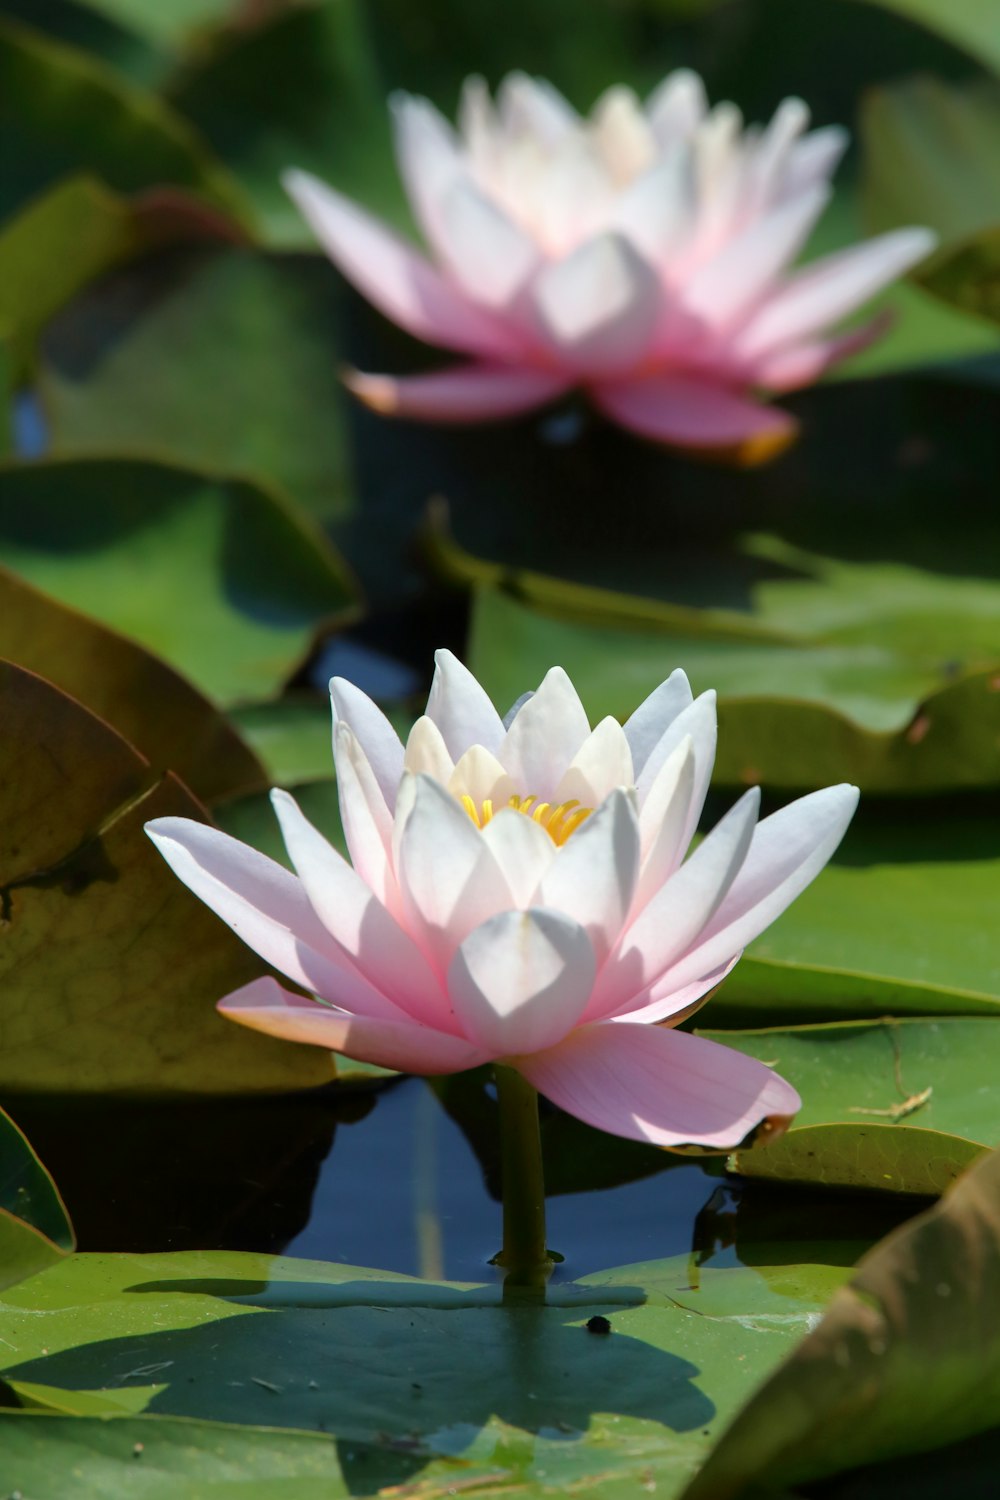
901 922
292 736
900 1106
420 1381
71 113
166 22
37 277
219 577
792 712
251 818
326 110
968 23
110 968
150 704
35 1232
905 1359
223 360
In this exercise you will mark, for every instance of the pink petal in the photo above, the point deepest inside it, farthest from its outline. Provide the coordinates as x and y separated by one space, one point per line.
599 308
826 290
813 159
772 152
449 880
593 877
546 734
265 906
688 412
520 981
373 732
788 851
675 1005
667 1087
463 393
461 708
401 1045
654 714
377 946
802 364
394 276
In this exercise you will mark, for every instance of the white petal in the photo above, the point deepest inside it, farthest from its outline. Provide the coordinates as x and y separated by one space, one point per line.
522 849
665 819
544 737
788 851
623 133
772 153
486 253
599 307
480 775
813 159
449 879
654 716
603 762
698 721
677 106
520 981
461 709
373 732
428 157
427 753
533 106
593 877
655 212
386 956
366 819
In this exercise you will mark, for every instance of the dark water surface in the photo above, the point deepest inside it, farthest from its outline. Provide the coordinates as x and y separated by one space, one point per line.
405 1179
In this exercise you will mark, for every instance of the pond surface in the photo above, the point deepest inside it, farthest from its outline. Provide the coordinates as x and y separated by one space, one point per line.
404 1178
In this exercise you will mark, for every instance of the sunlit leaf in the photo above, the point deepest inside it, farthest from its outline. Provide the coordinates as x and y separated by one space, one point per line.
904 1360
968 23
35 1232
109 967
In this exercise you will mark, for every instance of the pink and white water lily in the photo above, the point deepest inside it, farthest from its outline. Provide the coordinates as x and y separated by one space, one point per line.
518 892
642 254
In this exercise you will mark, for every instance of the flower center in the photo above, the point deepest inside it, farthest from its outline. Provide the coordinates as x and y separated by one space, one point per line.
559 822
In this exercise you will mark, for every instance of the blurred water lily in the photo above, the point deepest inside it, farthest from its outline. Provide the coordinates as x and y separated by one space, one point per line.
642 253
519 893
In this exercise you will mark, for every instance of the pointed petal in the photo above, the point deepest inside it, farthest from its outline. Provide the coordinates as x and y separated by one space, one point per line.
449 879
687 412
393 276
623 133
485 252
480 775
677 106
520 981
534 107
373 732
403 1045
651 719
429 160
663 1002
667 1087
813 159
265 906
461 708
603 762
522 849
463 393
598 308
349 910
788 851
427 753
699 721
772 152
366 819
545 736
675 918
827 289
594 876
665 818
801 364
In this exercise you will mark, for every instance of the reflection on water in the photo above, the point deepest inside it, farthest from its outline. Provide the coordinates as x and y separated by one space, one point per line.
406 1180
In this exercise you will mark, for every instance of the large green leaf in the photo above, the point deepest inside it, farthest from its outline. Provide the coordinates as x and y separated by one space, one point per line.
326 110
168 21
907 1358
901 922
110 968
969 23
220 577
70 113
37 277
150 705
792 712
35 1232
417 1380
901 1106
223 360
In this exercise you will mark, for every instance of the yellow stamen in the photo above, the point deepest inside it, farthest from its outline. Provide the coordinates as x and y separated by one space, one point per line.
558 822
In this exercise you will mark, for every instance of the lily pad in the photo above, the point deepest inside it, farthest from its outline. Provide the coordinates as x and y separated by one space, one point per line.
71 113
968 23
420 1380
903 1361
150 704
292 736
220 577
900 1106
224 360
35 1232
110 968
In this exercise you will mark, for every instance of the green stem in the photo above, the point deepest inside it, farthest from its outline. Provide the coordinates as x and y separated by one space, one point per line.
524 1256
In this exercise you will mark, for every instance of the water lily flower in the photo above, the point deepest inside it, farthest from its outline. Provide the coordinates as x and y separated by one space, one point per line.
518 892
641 254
